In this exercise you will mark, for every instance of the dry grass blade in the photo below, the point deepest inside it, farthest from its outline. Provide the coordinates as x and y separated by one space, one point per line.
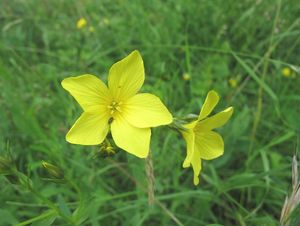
291 203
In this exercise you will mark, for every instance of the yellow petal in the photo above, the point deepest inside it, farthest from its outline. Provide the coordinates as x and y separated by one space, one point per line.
189 138
209 145
210 102
89 91
196 164
89 129
215 121
126 77
134 140
146 110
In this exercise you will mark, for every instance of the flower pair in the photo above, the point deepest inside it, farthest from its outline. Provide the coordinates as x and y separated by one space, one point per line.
129 115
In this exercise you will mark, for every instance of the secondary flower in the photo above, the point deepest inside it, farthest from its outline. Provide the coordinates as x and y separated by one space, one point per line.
118 107
286 72
81 23
202 142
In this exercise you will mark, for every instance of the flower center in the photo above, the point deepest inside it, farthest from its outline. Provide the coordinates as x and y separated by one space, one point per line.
114 107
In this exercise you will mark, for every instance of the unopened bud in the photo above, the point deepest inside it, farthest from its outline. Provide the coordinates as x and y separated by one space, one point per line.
106 150
54 171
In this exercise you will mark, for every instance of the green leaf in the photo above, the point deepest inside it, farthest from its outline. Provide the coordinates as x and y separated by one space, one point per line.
46 217
255 77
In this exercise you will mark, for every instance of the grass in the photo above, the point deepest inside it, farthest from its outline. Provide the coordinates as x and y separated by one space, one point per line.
213 41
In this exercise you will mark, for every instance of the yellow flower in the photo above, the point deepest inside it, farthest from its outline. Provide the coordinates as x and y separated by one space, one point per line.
81 23
186 76
117 107
202 142
286 72
232 82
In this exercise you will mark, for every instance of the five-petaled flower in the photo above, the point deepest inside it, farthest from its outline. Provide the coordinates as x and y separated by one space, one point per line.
118 107
202 142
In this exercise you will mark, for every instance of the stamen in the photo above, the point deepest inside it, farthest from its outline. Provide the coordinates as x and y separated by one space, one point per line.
114 106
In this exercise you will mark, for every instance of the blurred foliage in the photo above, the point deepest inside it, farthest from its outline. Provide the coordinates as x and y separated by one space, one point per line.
213 42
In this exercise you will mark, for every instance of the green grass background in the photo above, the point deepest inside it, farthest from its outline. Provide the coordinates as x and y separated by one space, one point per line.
212 40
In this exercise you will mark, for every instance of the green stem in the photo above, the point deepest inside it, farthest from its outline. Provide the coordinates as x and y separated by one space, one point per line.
260 90
38 218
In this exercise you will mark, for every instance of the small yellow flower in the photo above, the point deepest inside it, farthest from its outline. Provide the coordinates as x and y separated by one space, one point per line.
91 29
81 23
286 72
233 82
202 142
186 76
118 107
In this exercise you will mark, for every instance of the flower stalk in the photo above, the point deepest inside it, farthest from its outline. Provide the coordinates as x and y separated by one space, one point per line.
150 178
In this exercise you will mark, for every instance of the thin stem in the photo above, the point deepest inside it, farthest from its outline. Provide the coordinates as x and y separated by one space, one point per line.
259 106
260 90
150 178
161 205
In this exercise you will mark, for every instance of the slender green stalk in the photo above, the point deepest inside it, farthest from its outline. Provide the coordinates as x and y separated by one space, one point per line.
260 89
259 107
38 218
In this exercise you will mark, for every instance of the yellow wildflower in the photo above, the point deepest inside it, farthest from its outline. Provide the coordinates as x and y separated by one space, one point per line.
202 142
117 107
232 82
81 23
186 76
286 72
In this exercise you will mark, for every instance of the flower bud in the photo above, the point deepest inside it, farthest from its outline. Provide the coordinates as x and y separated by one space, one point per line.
53 170
106 150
